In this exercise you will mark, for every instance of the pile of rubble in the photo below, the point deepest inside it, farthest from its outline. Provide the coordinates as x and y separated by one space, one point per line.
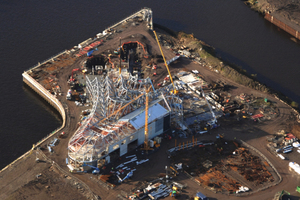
218 181
224 166
156 189
249 166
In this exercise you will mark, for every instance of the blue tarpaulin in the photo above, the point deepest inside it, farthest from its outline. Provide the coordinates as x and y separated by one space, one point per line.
90 53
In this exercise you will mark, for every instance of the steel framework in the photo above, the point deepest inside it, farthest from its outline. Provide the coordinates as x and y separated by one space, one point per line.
108 94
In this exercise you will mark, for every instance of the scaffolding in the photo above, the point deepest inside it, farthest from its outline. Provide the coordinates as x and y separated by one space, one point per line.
108 94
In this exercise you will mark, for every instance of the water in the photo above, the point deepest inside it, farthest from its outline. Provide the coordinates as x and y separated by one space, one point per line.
31 31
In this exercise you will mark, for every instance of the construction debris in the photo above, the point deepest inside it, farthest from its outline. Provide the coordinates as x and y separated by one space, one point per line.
224 167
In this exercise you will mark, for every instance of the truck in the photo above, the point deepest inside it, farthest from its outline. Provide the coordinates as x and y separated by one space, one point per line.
62 135
69 95
200 196
96 169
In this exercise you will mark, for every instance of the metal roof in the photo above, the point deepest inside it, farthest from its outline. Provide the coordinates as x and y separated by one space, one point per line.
137 118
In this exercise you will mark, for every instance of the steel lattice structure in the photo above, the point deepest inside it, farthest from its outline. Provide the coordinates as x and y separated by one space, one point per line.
108 94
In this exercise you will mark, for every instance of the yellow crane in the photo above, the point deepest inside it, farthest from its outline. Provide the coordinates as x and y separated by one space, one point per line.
162 53
116 111
146 145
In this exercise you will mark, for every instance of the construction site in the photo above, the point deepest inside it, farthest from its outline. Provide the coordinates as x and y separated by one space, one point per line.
145 116
225 167
124 105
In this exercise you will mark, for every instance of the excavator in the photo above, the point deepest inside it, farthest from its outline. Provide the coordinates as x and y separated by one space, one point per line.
73 70
166 64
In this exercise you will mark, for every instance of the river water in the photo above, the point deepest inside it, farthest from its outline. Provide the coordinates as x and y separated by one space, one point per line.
31 31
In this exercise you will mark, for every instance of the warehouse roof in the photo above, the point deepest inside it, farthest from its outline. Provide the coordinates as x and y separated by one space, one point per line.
137 118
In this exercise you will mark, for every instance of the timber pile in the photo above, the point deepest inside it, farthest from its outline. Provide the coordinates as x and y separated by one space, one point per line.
217 180
104 178
249 166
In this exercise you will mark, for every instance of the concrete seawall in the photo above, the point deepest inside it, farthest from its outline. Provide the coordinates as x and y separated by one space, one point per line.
38 88
52 100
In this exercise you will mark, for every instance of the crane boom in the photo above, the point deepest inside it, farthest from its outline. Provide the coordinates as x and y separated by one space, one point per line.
121 108
146 145
212 113
73 70
162 53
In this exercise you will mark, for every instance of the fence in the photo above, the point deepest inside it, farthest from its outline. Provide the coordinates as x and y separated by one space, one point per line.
187 145
282 25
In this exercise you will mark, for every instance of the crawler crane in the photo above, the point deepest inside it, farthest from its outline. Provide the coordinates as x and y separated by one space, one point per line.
162 53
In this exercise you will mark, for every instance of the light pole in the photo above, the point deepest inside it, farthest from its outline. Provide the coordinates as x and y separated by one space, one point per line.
166 173
120 57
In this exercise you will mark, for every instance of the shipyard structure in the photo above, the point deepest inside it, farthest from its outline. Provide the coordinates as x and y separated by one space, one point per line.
116 123
120 83
117 100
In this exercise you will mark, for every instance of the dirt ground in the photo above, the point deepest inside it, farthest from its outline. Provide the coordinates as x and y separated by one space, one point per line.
287 11
20 180
49 184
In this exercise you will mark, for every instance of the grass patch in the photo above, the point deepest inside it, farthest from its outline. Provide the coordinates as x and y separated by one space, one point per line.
181 35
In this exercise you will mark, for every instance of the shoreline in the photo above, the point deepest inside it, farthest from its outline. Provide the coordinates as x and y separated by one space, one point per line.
47 96
212 63
56 104
280 14
240 76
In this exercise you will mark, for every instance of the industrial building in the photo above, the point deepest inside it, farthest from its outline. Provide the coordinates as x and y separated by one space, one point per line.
116 123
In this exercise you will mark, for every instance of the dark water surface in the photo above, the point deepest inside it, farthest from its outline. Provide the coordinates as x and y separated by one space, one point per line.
31 31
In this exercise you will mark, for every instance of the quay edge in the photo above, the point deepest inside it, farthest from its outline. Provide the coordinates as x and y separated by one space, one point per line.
39 89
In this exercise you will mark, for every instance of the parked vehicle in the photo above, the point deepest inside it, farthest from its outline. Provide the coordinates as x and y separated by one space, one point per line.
287 150
200 196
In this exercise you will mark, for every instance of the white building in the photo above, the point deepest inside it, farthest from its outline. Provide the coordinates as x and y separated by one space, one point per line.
108 131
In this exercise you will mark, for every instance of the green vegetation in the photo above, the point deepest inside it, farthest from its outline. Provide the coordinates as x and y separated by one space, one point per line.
229 70
294 104
254 5
234 72
181 35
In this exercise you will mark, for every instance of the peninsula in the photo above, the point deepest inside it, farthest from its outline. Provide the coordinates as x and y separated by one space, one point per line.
150 113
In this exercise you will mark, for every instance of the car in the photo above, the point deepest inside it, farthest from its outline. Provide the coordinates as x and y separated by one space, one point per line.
296 144
281 156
